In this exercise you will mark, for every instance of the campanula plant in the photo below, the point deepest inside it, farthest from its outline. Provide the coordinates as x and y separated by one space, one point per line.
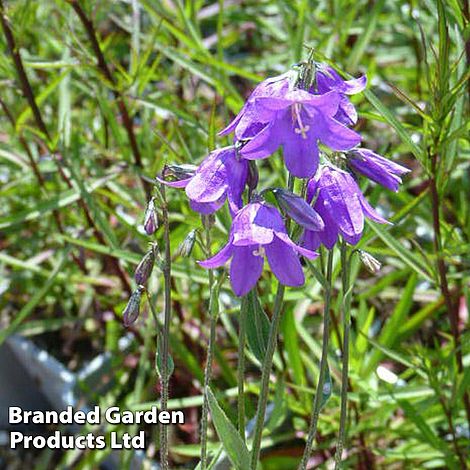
307 113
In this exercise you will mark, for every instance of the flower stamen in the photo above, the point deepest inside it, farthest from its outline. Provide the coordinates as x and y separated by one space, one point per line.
296 117
260 251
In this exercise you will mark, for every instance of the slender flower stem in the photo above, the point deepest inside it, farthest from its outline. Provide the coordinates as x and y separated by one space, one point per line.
345 274
268 362
213 312
323 366
241 364
164 376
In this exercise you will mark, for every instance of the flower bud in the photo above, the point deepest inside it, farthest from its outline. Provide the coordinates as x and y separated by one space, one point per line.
150 218
178 172
144 268
298 210
187 245
372 264
253 175
132 310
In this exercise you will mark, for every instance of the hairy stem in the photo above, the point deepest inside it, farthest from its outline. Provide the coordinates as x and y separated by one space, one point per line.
164 376
345 275
323 366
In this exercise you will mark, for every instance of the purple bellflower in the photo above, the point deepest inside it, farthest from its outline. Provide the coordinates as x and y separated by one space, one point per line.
327 79
258 230
250 120
377 168
341 205
222 175
297 122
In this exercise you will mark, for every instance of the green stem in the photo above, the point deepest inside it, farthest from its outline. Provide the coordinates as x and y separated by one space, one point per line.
345 268
241 365
268 361
267 364
317 404
213 312
164 378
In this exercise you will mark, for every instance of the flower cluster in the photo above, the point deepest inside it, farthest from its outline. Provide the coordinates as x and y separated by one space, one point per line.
312 123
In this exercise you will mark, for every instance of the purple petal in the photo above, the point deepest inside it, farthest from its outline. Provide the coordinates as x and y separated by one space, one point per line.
245 269
297 248
285 263
175 184
339 197
207 207
210 181
347 113
310 240
269 216
237 173
219 259
377 168
251 115
355 85
232 126
371 213
328 79
246 231
300 146
263 144
298 209
334 134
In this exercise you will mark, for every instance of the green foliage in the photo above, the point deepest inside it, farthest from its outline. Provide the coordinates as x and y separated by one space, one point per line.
73 201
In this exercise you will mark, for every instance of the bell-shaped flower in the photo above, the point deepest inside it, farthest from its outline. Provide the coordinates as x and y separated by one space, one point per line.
377 168
327 79
222 175
297 122
342 206
257 232
252 119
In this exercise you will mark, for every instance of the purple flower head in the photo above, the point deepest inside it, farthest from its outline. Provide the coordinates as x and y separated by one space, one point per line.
327 79
220 176
377 168
297 122
258 230
341 205
250 120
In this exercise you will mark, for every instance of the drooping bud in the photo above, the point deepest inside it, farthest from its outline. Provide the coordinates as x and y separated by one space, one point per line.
178 172
187 245
298 210
253 175
144 268
372 264
150 218
132 310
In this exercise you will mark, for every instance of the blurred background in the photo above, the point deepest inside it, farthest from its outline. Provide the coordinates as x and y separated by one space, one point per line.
97 96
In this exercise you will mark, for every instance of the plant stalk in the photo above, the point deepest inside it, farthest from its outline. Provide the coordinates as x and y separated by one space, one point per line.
241 364
451 305
164 376
345 275
213 313
268 362
323 366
